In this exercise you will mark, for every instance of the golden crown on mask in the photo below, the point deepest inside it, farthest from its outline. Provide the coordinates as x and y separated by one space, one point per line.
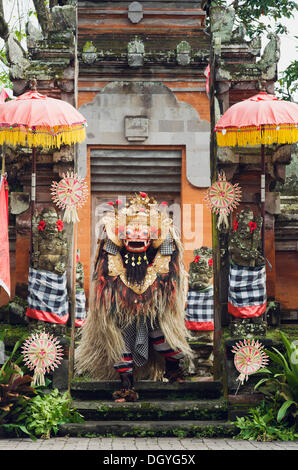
141 209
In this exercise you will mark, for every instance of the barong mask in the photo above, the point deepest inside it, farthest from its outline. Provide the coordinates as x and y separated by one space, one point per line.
139 232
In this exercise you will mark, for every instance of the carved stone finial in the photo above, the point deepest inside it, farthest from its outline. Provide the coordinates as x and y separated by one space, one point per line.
262 85
89 54
33 84
183 53
222 22
135 52
135 12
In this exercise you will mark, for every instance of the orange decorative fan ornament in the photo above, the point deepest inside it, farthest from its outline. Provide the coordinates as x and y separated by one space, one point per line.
222 197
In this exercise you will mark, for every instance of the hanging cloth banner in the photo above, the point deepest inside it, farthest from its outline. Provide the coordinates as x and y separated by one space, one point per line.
81 313
199 310
247 291
47 296
4 241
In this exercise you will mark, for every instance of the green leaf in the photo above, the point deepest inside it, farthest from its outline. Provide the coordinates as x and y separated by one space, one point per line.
283 409
290 347
262 381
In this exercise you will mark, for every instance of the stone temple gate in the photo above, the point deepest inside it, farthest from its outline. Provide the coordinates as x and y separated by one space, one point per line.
138 72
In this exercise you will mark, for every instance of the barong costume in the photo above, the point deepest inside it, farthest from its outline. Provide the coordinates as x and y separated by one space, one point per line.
136 319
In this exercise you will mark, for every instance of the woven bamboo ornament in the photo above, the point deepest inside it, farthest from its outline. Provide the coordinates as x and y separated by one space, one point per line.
42 353
70 194
249 358
222 197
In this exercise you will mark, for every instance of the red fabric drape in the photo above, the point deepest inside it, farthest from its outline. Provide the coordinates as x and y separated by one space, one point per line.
4 241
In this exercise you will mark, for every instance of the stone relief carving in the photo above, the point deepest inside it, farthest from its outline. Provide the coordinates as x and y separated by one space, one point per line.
201 269
49 242
245 239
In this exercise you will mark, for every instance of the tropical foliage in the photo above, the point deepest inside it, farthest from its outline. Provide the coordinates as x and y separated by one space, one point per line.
44 414
33 411
253 13
261 425
281 384
276 417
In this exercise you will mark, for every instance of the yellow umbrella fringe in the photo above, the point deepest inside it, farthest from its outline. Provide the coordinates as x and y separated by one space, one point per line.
42 138
245 137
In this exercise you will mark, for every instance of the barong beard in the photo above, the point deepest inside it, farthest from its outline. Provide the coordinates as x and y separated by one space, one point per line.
136 264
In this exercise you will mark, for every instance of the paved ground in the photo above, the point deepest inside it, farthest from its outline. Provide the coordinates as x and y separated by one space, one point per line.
133 444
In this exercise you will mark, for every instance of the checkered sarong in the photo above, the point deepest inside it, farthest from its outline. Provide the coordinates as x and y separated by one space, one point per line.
47 296
247 291
136 337
199 311
80 307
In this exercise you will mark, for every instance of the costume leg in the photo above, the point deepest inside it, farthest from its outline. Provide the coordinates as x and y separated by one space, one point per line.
125 365
172 357
125 368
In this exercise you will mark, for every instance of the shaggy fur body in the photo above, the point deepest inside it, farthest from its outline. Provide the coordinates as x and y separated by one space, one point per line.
113 305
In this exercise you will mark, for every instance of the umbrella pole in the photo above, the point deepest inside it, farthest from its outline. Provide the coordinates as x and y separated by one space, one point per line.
71 358
263 170
33 198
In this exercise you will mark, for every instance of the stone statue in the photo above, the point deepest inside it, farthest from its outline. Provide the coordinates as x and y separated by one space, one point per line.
49 242
201 269
80 276
245 239
199 311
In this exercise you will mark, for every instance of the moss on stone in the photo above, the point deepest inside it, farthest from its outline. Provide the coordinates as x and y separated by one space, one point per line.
12 334
291 331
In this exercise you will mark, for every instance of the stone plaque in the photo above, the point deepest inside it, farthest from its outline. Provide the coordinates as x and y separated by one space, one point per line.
136 128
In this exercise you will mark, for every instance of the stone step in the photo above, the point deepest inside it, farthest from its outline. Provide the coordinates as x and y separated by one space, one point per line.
206 388
179 428
212 409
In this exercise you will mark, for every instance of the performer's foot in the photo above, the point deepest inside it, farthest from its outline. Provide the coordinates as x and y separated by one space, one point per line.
174 373
124 395
127 392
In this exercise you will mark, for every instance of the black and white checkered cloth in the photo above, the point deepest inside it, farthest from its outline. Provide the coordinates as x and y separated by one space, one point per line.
199 311
47 296
135 337
247 291
80 307
167 247
110 247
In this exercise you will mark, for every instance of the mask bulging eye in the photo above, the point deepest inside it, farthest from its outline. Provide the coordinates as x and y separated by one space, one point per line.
129 232
144 233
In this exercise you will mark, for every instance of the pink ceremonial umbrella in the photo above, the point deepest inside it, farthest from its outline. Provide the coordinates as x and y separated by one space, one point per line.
262 120
35 120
